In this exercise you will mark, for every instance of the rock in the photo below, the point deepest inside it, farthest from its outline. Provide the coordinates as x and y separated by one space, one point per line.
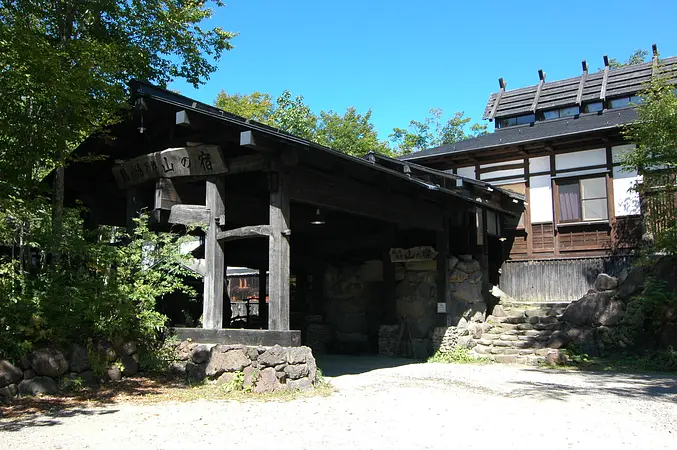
267 382
506 359
558 339
38 385
196 372
605 282
252 353
106 351
48 362
178 368
598 308
9 373
8 392
452 263
225 378
87 377
633 284
298 355
78 359
28 374
230 361
469 290
281 376
498 311
469 267
129 366
272 357
250 377
303 385
457 276
129 348
184 350
201 353
466 258
24 363
114 373
554 358
585 340
623 276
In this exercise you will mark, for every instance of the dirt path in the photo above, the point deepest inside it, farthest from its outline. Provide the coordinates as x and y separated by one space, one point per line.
388 403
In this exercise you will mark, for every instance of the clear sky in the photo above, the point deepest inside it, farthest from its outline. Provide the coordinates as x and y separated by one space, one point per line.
401 58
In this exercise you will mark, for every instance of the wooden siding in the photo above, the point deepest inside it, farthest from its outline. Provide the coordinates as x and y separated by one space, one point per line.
557 280
542 237
585 237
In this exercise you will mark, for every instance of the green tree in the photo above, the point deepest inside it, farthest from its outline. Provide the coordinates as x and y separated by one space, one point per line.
655 133
352 133
255 106
434 132
293 116
66 65
637 57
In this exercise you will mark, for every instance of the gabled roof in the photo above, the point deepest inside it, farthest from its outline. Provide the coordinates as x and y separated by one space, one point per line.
538 131
620 82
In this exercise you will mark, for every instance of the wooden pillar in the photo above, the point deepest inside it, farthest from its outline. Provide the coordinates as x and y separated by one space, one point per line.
132 210
278 253
263 306
212 309
442 272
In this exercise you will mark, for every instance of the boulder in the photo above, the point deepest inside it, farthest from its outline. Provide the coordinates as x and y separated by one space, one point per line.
498 311
78 359
225 378
114 373
585 340
184 350
250 377
107 351
48 362
129 348
200 354
470 290
468 267
9 373
229 361
8 392
594 308
298 355
196 372
28 374
38 385
605 282
267 382
633 283
303 385
129 366
272 357
296 371
252 353
558 339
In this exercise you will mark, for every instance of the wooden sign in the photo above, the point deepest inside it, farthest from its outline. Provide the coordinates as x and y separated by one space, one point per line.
171 163
412 254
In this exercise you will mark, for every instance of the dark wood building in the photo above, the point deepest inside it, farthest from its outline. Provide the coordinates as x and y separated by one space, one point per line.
559 143
277 203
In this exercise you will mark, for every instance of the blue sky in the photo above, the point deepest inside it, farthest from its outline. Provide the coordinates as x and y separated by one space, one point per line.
401 58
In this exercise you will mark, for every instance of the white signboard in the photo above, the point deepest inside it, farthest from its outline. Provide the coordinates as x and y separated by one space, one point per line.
412 254
442 308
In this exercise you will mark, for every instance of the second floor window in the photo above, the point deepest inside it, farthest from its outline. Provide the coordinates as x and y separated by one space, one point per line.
583 200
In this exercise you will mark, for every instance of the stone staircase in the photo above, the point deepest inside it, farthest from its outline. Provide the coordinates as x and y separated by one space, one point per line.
522 333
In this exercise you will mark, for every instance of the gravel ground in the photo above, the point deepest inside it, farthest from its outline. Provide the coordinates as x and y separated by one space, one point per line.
390 404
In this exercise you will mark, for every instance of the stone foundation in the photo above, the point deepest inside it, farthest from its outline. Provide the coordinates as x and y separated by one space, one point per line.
266 369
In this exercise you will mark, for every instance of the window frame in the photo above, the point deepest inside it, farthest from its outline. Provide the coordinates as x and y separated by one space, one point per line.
577 180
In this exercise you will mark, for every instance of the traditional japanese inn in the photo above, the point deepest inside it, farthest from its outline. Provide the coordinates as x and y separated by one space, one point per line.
352 246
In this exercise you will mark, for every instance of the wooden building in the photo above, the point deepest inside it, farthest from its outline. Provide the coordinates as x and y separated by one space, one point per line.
559 143
278 203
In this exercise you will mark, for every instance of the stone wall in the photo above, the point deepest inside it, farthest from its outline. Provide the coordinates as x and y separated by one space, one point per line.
44 371
266 369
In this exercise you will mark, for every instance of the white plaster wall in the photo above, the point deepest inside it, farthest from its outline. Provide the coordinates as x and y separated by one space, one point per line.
468 172
619 151
540 199
540 164
504 163
626 201
502 173
580 159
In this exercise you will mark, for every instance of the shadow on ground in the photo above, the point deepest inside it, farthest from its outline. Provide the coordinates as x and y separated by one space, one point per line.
49 410
337 365
562 384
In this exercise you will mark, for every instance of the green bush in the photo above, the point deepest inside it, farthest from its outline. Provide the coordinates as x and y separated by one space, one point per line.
459 354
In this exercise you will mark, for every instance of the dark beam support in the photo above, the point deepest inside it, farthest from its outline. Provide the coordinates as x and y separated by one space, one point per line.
442 269
212 310
605 80
581 84
263 306
189 215
501 84
539 88
247 232
278 253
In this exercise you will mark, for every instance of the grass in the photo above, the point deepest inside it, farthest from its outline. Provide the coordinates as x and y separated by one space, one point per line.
665 362
145 390
458 355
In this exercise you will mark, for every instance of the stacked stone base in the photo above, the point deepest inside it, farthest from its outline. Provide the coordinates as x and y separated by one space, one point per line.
521 335
265 369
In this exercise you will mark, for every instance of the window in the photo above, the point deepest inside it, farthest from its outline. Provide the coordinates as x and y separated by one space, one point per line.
622 102
517 120
593 107
569 111
583 200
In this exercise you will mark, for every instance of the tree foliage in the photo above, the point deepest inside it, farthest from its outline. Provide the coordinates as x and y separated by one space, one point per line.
655 133
637 57
434 132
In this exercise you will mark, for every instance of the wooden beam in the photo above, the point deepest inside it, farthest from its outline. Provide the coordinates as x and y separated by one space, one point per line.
165 194
195 215
243 164
212 310
442 248
539 88
605 79
353 197
278 254
581 84
263 306
244 233
502 85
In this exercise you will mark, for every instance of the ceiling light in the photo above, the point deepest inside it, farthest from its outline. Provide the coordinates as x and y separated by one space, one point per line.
318 219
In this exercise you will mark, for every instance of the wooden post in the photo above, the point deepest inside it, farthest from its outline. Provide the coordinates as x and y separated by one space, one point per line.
442 269
212 309
278 253
263 306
